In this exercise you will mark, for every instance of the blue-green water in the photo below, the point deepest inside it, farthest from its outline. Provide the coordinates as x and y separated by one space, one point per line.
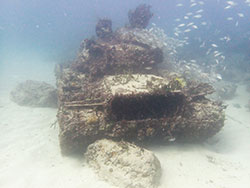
37 34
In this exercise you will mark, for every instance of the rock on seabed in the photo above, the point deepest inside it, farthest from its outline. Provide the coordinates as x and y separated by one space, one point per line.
124 164
35 94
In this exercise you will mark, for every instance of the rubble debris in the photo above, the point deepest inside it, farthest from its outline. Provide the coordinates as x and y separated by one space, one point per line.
124 164
35 94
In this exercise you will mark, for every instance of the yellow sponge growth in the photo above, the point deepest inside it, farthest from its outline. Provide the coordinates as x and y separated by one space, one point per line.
92 119
181 82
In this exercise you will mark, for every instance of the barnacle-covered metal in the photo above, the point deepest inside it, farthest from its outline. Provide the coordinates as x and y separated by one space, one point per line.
114 90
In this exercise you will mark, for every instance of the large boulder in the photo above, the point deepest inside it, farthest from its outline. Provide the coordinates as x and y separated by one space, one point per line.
124 164
35 94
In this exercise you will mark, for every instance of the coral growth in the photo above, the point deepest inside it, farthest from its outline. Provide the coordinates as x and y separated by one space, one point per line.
126 52
139 18
104 28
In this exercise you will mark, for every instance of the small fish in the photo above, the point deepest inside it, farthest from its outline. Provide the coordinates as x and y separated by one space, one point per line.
176 34
229 18
195 27
199 11
227 38
187 30
193 61
193 4
189 14
241 15
186 17
214 45
232 3
236 24
217 61
202 45
203 23
218 76
189 24
153 24
208 51
148 68
215 55
198 16
172 139
177 19
201 2
179 5
228 7
181 25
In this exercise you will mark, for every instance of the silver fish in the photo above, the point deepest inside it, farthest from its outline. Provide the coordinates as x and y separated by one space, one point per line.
179 5
181 25
232 3
195 27
241 15
187 30
197 16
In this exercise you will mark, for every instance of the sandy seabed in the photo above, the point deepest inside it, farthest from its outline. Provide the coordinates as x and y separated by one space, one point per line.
30 154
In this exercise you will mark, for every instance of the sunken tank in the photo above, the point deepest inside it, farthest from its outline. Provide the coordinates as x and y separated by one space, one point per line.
114 90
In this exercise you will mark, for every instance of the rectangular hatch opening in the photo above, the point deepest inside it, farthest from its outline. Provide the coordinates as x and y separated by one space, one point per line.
144 106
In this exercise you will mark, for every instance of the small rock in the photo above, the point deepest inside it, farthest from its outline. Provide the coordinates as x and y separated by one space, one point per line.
34 93
124 164
248 105
236 105
248 88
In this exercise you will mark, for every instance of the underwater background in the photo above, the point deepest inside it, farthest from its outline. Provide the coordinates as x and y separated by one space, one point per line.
54 29
35 35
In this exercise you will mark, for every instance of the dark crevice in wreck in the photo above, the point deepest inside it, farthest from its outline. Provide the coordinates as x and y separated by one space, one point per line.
144 106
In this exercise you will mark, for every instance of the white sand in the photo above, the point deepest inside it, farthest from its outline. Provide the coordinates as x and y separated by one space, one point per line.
30 155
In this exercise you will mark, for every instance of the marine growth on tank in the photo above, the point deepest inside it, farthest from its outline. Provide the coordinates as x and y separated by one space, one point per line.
126 94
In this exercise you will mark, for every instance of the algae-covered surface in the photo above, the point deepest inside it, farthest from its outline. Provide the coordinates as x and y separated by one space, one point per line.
167 78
